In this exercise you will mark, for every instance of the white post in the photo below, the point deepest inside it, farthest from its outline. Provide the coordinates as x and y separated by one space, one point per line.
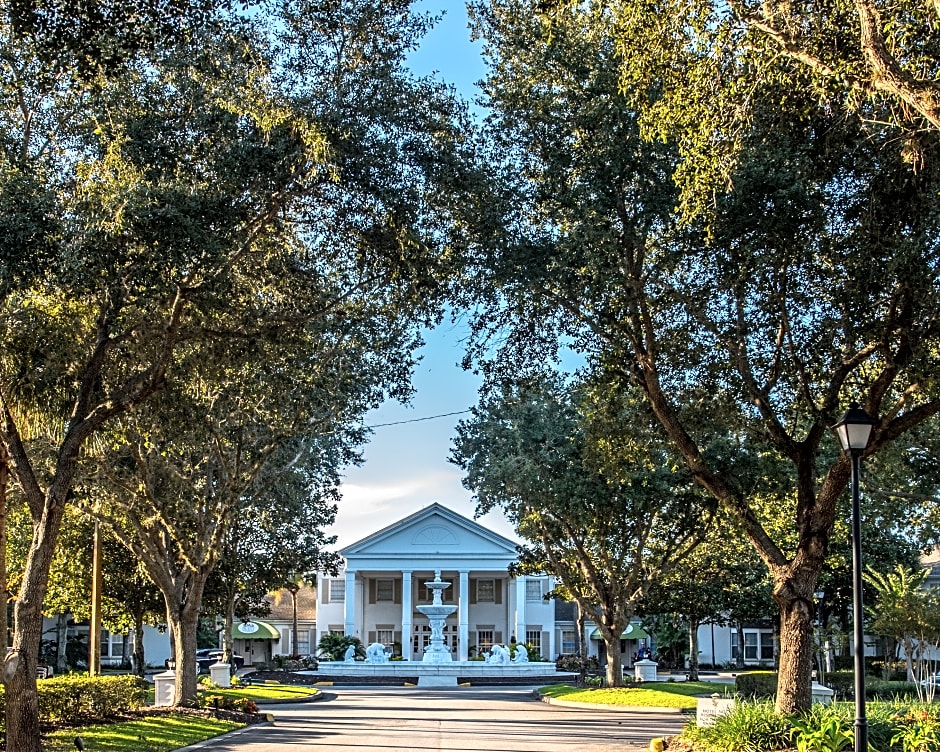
406 614
349 607
463 616
520 609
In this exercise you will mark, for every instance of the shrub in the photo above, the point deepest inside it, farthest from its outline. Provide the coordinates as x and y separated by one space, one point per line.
750 726
756 684
755 727
842 683
332 646
78 698
223 702
828 735
567 662
889 690
533 652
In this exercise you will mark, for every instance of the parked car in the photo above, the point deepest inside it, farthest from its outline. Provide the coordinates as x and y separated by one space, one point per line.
205 657
934 680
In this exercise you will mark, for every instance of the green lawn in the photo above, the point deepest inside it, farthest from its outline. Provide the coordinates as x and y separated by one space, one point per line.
262 692
161 733
170 731
651 694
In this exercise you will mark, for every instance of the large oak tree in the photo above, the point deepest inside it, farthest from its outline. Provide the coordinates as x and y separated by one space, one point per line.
197 194
805 281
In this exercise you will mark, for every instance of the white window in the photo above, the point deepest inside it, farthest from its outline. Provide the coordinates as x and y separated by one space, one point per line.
385 635
337 591
533 590
112 646
384 591
568 643
484 639
533 637
337 629
758 646
486 591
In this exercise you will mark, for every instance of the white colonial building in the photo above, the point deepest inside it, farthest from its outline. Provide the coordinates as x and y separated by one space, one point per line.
376 595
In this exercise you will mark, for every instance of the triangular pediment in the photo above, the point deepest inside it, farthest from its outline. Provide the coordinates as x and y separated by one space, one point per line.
428 535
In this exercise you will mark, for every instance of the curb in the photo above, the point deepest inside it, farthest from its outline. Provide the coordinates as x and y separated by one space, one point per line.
600 706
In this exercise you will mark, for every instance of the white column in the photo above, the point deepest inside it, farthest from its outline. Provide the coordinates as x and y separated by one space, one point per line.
520 609
406 611
463 616
349 607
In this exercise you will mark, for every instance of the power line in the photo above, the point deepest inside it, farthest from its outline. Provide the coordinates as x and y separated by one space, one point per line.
418 420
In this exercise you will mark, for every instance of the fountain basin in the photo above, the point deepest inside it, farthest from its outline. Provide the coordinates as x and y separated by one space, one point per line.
440 674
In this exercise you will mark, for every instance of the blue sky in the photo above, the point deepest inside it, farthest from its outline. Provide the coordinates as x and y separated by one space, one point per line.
406 466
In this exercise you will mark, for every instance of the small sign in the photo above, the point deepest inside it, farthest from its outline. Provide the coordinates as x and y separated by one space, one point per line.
709 708
249 627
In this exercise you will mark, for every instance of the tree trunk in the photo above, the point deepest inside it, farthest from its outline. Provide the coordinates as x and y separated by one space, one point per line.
693 650
581 643
61 638
739 658
184 628
4 595
19 668
614 657
794 684
183 618
228 623
139 659
294 644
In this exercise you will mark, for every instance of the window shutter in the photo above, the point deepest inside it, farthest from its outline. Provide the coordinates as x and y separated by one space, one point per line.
285 645
325 593
396 636
397 596
544 647
372 591
371 637
498 591
473 591
497 637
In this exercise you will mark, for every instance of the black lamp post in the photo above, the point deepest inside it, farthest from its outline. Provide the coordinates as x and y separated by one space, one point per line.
853 431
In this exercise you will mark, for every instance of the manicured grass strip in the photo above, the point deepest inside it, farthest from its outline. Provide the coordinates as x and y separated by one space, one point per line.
160 733
651 694
266 692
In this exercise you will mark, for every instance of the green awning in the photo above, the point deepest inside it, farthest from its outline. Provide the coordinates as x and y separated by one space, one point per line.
632 632
255 630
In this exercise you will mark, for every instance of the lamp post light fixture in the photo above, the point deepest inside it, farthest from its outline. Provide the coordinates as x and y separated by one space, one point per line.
853 431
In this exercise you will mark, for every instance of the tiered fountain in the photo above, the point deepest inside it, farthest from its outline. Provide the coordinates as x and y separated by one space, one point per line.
436 667
437 613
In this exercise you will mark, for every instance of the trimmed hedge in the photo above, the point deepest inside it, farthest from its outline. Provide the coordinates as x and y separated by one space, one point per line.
78 698
756 684
843 684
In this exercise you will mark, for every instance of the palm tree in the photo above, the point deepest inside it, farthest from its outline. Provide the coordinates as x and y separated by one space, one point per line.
295 581
910 613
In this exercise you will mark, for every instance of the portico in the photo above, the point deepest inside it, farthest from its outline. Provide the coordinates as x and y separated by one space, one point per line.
375 598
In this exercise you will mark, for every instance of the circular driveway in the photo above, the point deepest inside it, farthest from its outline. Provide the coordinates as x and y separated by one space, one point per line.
466 719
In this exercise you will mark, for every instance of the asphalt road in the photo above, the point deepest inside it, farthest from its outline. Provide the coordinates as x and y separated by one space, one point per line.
465 719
